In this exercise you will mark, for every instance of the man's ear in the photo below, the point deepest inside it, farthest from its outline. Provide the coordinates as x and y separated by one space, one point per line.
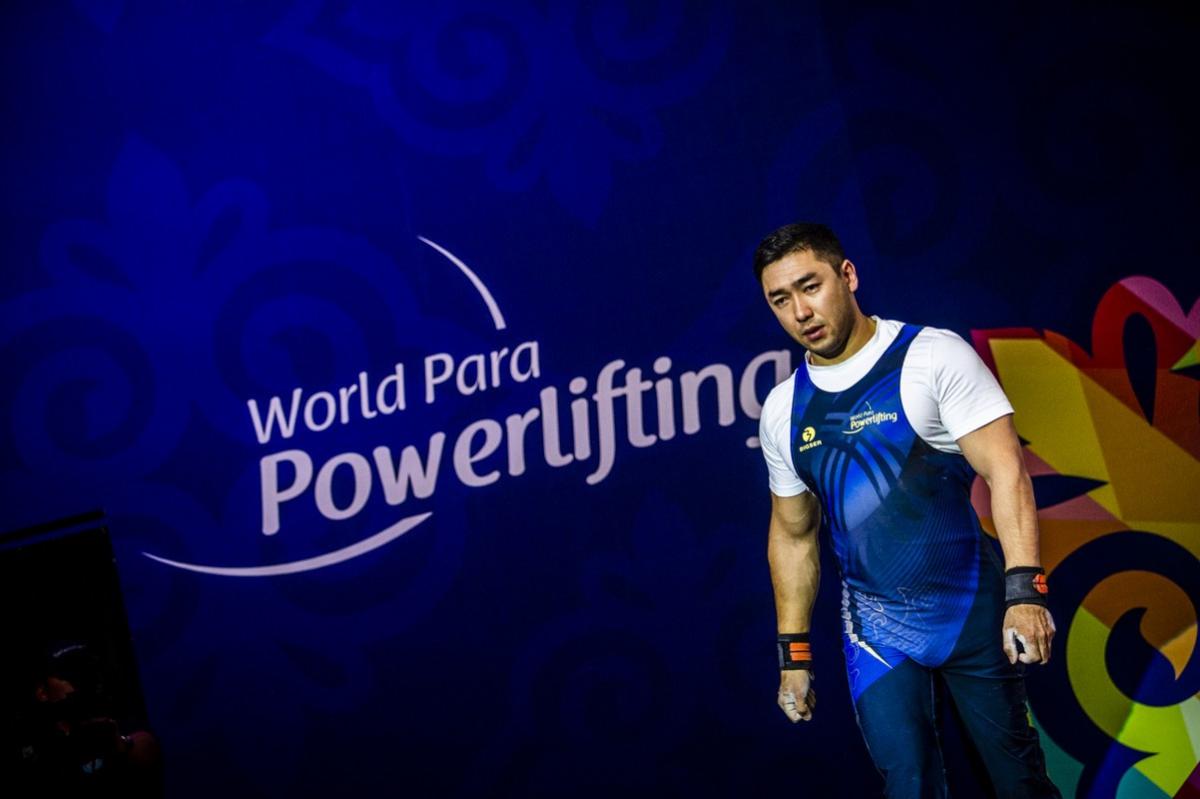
849 273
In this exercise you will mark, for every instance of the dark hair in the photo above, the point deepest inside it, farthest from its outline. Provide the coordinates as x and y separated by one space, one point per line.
798 237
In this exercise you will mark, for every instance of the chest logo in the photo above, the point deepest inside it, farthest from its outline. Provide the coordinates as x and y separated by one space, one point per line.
859 421
809 436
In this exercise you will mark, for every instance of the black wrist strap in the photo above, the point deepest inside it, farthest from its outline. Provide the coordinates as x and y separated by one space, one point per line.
1025 585
794 651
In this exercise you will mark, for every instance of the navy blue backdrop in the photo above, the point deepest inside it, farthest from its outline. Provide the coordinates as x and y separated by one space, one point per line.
208 206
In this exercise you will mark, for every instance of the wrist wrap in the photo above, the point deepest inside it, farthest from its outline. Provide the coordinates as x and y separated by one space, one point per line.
794 651
1025 585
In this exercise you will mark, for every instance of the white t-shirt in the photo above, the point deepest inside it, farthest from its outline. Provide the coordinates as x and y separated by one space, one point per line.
945 388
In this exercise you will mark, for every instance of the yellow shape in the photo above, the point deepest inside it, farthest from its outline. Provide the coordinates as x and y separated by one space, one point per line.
1166 729
1153 477
1106 497
1051 407
1179 649
1190 358
1160 730
1099 698
1078 428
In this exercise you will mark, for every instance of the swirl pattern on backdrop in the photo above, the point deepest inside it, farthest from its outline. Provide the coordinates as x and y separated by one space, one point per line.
563 95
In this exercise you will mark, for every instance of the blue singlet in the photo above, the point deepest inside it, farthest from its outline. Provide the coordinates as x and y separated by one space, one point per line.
907 540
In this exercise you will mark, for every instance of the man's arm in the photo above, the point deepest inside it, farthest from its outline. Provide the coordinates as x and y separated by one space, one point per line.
794 557
994 451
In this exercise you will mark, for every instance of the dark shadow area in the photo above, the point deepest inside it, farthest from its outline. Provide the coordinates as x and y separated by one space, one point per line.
74 720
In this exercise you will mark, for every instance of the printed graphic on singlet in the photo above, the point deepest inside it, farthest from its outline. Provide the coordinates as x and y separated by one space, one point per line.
870 416
809 437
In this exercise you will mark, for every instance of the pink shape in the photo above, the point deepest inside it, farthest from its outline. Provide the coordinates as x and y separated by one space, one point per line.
1160 298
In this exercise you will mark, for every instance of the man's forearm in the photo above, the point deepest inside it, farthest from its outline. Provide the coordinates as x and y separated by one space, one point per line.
1014 513
795 573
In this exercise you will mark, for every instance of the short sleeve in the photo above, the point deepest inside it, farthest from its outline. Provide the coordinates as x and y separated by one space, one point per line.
774 435
968 394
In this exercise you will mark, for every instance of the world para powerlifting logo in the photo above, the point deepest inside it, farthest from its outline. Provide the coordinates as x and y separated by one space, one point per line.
578 426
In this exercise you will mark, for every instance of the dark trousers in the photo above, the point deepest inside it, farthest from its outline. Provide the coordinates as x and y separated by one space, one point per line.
897 717
897 708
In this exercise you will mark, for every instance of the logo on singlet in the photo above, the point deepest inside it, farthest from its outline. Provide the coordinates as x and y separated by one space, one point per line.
870 416
808 435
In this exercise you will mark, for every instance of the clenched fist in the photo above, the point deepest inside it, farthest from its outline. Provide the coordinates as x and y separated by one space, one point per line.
796 696
1032 627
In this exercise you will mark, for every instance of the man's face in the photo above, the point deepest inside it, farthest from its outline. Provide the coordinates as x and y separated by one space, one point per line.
813 301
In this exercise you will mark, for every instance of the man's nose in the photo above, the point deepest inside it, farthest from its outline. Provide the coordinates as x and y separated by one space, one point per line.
802 311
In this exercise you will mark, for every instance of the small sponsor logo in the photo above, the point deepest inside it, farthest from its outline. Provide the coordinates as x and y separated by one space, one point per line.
809 436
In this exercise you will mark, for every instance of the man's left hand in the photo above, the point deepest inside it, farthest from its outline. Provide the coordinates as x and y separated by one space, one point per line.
1033 627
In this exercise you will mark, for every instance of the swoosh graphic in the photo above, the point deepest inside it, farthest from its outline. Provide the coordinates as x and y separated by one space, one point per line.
308 564
367 544
497 317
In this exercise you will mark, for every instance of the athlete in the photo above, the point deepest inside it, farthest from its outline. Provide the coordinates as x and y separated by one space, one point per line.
877 437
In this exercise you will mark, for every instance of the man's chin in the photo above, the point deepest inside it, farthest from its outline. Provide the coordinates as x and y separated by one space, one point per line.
827 352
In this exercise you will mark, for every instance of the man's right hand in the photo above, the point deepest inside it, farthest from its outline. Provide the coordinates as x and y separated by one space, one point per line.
796 695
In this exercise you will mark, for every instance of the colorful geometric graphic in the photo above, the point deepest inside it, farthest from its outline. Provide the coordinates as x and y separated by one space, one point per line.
1112 442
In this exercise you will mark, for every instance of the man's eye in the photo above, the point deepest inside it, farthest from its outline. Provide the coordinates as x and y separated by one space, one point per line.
779 302
811 288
